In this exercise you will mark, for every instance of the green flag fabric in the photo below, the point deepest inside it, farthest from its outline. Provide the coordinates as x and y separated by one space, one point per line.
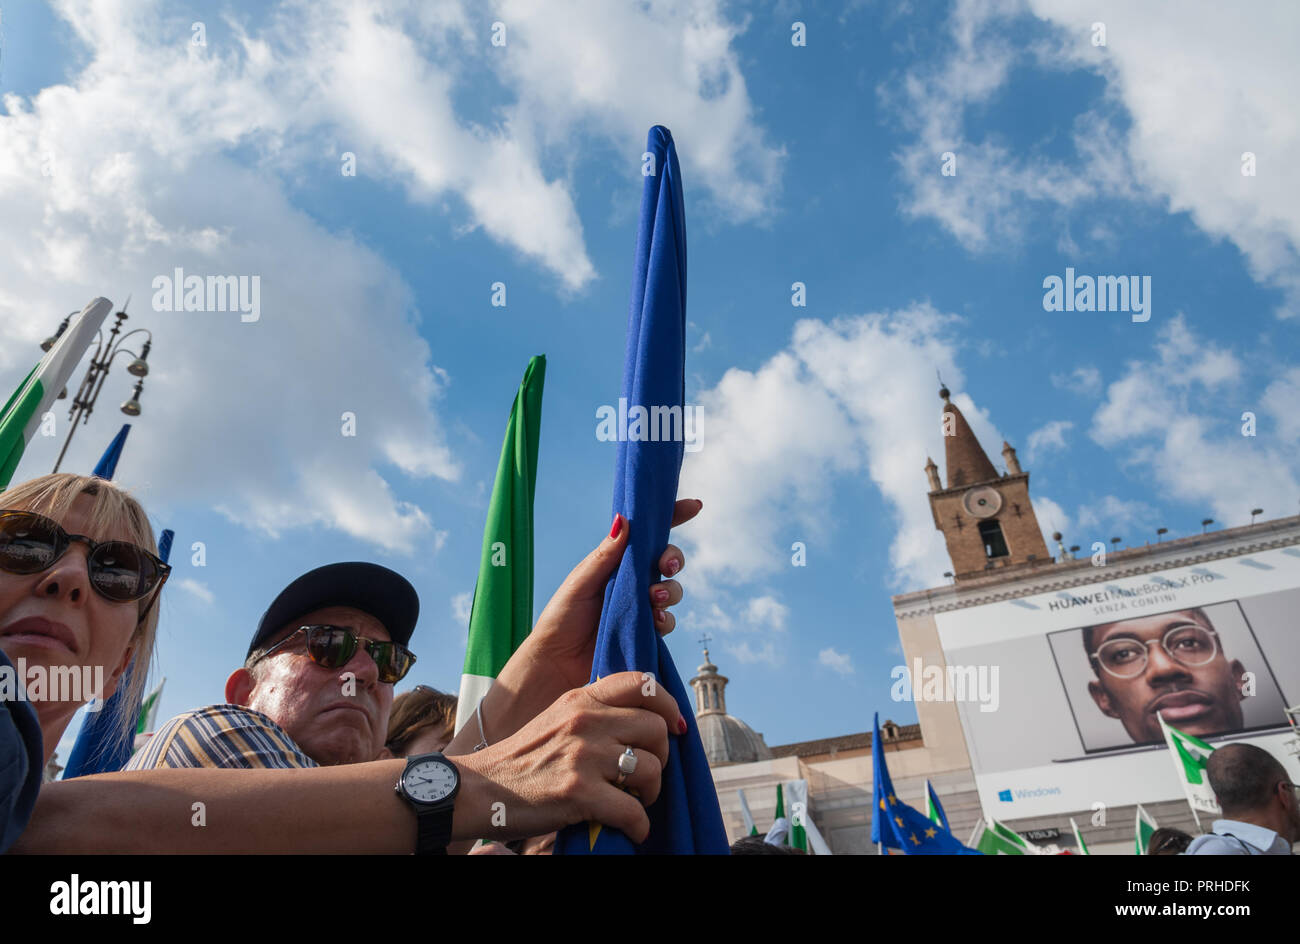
1142 830
992 838
40 388
1189 754
149 710
502 613
798 835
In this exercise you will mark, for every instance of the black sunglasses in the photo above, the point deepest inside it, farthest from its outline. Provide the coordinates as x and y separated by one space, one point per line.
119 571
334 646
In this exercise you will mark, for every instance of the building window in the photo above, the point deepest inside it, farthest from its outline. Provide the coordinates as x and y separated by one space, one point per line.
995 545
715 698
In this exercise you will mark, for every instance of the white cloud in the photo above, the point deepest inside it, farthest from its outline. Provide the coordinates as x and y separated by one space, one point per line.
461 605
835 661
208 144
1176 421
846 397
1195 89
1110 516
767 613
1052 518
1048 437
1085 380
198 589
746 653
989 200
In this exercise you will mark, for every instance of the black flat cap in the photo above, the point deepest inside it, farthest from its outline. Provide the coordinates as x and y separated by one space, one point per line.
383 593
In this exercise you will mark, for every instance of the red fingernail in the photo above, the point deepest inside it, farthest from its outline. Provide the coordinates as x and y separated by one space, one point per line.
681 725
661 595
674 565
618 526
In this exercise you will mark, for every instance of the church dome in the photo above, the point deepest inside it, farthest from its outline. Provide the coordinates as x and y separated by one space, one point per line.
727 740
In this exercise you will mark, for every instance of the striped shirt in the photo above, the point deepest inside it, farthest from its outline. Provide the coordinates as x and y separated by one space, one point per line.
221 736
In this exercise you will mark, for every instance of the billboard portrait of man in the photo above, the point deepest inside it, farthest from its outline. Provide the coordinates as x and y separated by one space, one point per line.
1168 663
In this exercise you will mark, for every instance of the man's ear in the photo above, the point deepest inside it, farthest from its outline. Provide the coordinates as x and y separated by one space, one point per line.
239 687
110 685
1238 670
1102 699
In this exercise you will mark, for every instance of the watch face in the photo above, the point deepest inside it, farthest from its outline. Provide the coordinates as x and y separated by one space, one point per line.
982 502
430 781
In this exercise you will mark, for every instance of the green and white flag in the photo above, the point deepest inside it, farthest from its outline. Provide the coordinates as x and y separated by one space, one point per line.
41 387
992 838
149 710
1078 838
1189 755
798 793
749 818
1146 825
502 613
931 809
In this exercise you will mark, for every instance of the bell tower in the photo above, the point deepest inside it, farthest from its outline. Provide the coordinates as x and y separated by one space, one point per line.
987 519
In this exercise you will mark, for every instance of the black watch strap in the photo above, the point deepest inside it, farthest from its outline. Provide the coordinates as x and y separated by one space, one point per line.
433 831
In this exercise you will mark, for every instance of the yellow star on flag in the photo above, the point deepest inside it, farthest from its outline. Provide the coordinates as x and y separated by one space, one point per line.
914 839
931 833
899 821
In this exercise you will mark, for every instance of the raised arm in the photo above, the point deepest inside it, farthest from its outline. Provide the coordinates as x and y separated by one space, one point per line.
558 769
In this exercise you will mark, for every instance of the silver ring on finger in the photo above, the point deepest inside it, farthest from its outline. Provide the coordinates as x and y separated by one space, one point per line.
626 765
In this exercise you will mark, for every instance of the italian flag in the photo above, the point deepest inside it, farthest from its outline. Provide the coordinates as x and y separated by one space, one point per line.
40 388
1190 754
502 613
1142 830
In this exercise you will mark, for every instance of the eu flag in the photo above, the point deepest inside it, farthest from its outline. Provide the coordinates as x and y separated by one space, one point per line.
686 817
896 825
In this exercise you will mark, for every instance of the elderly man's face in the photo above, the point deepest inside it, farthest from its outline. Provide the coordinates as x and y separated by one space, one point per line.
312 702
1197 699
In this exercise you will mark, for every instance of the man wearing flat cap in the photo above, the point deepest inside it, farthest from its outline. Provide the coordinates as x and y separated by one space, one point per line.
317 685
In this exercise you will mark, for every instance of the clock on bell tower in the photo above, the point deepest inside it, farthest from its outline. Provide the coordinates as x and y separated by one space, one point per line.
987 519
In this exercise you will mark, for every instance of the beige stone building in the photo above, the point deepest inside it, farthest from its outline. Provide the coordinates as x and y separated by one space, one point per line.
998 553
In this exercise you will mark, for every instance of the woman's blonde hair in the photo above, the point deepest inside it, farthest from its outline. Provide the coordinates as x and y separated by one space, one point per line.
115 513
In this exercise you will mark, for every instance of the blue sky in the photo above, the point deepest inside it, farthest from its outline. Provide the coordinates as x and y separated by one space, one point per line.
818 164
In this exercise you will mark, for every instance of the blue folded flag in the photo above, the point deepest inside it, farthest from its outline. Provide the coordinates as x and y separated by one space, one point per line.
685 818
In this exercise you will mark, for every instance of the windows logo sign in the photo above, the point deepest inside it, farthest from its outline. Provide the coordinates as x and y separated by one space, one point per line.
1004 796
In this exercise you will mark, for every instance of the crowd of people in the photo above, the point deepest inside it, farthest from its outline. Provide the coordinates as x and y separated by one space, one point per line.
307 731
310 730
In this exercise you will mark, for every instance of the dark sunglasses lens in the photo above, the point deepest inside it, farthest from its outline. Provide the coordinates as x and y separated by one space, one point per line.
330 646
121 571
393 659
28 543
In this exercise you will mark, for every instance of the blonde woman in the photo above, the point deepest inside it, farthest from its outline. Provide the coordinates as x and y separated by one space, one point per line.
553 746
79 584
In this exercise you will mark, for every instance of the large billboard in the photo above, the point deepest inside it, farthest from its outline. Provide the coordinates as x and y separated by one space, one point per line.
1084 673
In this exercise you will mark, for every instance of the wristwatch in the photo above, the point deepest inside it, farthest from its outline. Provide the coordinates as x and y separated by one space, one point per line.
430 783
